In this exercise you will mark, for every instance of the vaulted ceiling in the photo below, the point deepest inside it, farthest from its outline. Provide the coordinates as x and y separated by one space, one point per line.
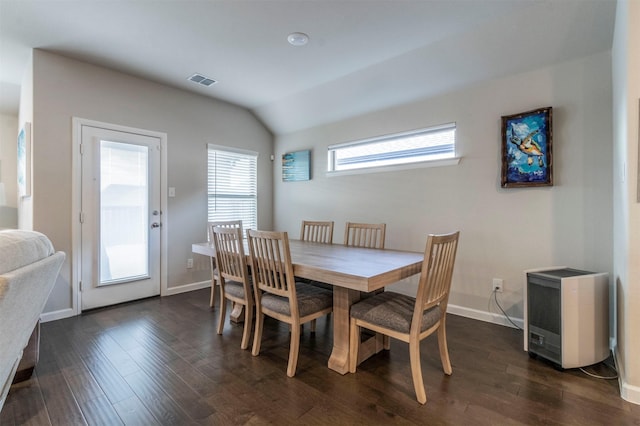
362 55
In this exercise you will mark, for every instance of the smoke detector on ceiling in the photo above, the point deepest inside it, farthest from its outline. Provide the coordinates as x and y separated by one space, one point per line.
201 79
298 39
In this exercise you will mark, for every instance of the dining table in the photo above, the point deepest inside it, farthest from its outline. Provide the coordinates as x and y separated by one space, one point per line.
351 271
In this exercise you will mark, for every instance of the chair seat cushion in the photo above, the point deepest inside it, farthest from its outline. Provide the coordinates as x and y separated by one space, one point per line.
234 288
310 299
393 311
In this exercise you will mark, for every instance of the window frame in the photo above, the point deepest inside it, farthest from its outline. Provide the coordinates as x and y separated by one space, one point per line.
437 161
246 224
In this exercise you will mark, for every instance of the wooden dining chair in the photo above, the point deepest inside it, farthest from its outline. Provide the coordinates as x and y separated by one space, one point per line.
412 319
277 294
214 269
317 231
370 235
233 276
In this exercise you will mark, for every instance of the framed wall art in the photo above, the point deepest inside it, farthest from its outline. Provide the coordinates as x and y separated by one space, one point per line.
24 161
296 166
527 149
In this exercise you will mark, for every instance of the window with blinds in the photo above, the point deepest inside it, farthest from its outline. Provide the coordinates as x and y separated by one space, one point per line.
232 185
433 143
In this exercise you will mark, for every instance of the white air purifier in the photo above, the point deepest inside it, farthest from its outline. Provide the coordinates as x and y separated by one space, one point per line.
567 316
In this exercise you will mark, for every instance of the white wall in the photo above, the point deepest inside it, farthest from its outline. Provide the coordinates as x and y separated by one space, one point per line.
503 231
8 157
65 88
626 113
8 173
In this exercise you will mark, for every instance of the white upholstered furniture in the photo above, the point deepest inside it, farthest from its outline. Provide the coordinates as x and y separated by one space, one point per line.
29 266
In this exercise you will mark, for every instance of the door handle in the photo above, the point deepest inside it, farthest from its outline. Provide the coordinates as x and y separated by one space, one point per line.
155 225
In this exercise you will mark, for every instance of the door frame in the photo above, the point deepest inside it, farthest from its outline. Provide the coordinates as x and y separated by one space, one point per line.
76 203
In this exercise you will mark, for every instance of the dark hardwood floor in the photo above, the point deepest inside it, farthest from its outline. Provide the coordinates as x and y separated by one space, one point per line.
160 361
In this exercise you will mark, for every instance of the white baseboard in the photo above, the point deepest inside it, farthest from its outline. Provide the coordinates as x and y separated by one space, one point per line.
56 315
484 316
187 287
630 393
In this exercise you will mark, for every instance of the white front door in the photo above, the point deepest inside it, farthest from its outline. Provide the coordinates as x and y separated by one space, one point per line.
120 216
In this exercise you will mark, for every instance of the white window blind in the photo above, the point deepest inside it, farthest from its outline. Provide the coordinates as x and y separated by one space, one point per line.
232 186
434 143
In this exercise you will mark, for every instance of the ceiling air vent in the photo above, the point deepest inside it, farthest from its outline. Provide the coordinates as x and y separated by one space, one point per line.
201 79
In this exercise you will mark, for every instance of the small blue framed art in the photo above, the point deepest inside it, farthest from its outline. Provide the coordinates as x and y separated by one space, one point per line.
24 161
296 166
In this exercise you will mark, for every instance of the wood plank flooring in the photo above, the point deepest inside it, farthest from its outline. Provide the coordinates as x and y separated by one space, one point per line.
160 362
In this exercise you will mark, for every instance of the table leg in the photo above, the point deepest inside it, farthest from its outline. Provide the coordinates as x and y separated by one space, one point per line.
236 314
371 346
343 298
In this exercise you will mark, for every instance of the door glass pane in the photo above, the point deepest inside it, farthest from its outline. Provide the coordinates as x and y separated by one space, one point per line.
124 212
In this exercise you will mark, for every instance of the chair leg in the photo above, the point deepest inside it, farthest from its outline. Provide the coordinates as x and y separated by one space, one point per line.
248 319
212 300
444 350
294 348
416 371
354 345
313 326
257 335
386 342
222 313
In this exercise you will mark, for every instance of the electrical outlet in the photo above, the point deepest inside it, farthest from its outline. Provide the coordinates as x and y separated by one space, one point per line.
189 263
497 285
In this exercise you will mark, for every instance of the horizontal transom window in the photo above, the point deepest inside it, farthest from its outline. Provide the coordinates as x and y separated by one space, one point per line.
433 143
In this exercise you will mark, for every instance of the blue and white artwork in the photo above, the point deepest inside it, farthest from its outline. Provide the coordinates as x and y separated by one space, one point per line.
527 149
296 166
24 171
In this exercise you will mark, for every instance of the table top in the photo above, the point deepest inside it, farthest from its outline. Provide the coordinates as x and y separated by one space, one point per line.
356 268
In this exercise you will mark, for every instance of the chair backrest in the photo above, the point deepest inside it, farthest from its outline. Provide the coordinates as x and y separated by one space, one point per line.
317 231
223 224
369 235
271 266
437 270
230 257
